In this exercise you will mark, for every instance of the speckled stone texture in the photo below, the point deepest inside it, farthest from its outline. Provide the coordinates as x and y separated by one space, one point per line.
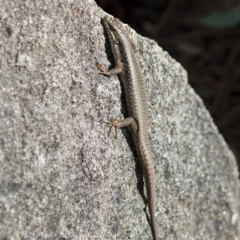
61 176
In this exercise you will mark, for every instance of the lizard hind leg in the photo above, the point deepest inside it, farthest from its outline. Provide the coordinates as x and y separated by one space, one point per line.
126 122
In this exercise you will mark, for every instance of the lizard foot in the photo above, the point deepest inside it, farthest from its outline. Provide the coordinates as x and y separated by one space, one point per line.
102 69
114 123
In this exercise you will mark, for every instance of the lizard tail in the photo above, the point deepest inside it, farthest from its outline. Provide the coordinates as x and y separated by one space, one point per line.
151 199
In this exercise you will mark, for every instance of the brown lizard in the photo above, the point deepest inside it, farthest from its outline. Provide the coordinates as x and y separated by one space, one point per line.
127 65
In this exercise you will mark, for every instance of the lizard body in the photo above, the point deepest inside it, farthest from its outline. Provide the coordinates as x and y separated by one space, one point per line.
127 65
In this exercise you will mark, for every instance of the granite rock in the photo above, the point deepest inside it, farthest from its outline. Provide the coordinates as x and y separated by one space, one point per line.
61 176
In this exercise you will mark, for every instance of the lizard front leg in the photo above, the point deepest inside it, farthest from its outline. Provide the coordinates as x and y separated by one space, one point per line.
114 71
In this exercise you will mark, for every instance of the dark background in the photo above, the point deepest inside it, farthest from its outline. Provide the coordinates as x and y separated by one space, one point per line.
204 36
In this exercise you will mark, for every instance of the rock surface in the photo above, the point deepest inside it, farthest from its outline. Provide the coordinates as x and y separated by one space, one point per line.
61 176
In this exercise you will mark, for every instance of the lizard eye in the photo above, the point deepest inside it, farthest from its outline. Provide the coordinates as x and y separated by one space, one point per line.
111 27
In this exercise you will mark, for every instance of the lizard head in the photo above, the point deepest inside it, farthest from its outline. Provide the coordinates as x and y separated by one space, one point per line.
116 30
